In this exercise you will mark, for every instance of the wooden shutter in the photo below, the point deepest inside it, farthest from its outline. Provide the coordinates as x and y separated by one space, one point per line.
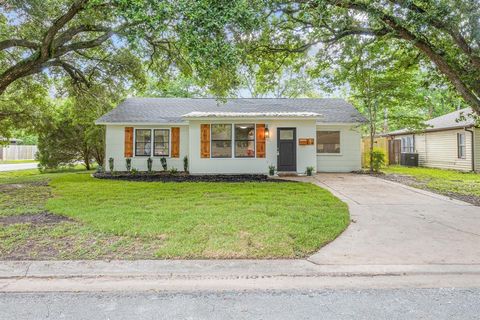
205 141
175 142
128 146
260 148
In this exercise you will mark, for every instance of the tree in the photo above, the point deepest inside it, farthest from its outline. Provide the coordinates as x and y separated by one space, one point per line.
382 86
446 33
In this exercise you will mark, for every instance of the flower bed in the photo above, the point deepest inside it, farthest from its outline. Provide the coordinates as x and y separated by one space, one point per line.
183 177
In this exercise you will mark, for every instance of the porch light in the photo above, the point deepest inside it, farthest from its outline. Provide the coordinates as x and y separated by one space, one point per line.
267 133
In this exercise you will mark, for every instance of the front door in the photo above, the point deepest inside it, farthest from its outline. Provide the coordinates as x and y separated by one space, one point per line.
286 149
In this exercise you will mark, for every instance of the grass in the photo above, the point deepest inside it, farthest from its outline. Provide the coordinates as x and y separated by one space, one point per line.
128 220
440 180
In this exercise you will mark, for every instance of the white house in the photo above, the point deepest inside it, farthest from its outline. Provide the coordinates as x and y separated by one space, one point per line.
238 136
451 141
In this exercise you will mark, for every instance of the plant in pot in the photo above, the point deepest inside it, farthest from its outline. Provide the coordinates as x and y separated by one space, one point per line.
163 161
271 170
111 164
185 164
309 171
128 164
149 164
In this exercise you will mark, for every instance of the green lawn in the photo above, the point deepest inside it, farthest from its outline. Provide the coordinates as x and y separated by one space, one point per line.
124 220
447 182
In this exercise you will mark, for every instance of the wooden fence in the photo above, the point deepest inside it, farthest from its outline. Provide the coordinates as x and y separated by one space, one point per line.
378 143
18 152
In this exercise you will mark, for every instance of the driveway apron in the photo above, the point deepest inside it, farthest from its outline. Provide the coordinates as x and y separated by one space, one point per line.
395 224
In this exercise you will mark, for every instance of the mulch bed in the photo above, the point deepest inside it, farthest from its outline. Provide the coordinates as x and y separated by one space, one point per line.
36 218
183 177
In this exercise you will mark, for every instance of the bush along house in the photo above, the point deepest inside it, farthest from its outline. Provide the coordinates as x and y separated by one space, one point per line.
239 136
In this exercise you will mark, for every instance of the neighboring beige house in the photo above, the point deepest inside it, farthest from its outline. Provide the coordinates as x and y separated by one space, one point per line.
238 136
451 141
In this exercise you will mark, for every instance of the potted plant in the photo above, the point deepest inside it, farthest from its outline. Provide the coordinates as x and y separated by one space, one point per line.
128 164
271 170
163 161
149 164
309 171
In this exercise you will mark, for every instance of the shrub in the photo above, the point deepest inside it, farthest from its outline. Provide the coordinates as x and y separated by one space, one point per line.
173 171
185 164
310 171
149 164
378 159
271 170
99 169
163 161
134 171
110 164
128 164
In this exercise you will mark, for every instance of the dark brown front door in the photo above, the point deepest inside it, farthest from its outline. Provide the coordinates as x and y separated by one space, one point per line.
286 149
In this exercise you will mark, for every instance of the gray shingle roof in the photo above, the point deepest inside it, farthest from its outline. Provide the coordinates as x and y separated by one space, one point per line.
171 110
456 119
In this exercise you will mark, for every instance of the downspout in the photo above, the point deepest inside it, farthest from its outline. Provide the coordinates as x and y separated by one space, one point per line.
473 147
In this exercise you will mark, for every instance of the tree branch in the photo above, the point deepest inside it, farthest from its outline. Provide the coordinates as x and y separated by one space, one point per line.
10 43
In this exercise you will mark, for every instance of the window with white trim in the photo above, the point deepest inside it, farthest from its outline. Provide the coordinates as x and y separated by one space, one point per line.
161 142
221 140
245 140
461 146
408 145
143 142
328 141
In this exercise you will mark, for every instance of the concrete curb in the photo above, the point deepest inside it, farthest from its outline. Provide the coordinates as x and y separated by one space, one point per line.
216 269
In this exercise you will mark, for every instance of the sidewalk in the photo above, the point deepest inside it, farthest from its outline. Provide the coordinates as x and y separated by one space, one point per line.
194 275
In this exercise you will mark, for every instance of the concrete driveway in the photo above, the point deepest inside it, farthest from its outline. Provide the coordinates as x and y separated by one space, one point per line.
18 166
396 224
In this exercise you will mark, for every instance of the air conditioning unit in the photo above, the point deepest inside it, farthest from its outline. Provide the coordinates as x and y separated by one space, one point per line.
409 159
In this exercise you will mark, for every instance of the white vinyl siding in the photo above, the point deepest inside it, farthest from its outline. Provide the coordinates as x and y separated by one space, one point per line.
115 144
477 148
439 150
349 158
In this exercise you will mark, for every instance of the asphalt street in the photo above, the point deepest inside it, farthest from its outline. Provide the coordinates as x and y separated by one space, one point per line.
325 304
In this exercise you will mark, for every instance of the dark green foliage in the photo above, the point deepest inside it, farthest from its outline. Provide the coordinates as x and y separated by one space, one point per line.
377 157
163 161
128 164
149 164
185 164
309 171
111 164
271 170
173 171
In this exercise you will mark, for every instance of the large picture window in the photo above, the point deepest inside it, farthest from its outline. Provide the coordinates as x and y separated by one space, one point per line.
143 140
244 140
161 142
328 141
221 138
461 146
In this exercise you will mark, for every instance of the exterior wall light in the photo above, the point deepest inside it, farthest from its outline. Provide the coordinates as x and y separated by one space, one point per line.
267 133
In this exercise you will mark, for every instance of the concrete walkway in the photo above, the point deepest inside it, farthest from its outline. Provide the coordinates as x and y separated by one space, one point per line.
396 224
18 166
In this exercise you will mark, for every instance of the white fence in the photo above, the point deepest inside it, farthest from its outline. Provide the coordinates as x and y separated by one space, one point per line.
18 152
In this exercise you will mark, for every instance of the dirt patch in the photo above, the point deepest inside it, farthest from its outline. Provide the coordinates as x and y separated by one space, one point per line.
183 177
36 219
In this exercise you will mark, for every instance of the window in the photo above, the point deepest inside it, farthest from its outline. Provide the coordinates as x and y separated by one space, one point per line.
143 139
461 146
221 136
408 145
244 140
328 141
161 142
